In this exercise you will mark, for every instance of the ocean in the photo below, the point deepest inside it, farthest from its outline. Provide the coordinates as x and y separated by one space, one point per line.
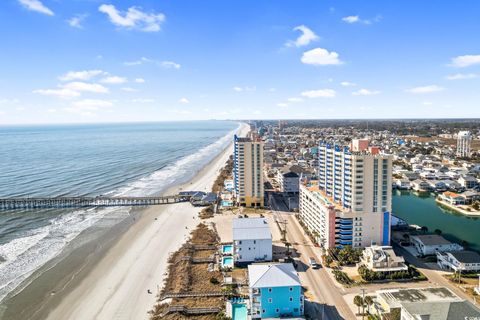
80 160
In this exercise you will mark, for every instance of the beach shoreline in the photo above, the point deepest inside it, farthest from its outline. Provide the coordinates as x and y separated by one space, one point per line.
117 271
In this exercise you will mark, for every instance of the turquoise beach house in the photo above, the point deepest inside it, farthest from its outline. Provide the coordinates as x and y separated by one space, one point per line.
275 291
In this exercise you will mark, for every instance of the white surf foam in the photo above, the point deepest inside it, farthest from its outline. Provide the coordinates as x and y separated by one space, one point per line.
24 255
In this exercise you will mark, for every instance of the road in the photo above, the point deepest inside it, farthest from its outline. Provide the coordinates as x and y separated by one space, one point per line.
328 302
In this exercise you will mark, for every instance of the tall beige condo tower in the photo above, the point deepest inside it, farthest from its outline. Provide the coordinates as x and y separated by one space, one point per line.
350 203
464 139
248 172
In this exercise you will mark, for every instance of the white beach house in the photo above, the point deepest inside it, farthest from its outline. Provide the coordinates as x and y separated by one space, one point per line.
252 240
430 244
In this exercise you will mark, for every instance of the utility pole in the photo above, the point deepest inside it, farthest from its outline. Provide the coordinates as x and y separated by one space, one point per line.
363 304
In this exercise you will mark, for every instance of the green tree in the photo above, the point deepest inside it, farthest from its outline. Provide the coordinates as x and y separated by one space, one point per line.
358 301
438 231
424 229
368 302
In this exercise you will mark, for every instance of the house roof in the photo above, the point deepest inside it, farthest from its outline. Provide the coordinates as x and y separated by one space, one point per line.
290 175
458 310
396 297
272 275
466 256
432 239
251 229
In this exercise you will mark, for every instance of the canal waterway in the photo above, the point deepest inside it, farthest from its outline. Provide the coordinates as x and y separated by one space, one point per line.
424 211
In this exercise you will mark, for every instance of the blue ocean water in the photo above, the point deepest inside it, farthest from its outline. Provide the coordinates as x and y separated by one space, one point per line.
77 160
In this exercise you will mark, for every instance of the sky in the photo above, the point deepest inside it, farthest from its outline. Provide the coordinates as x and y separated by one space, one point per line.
81 61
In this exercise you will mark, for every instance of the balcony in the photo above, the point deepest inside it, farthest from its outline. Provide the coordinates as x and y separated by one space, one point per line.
344 232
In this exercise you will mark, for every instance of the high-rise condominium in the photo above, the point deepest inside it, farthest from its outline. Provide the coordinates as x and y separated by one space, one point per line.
464 139
350 203
248 171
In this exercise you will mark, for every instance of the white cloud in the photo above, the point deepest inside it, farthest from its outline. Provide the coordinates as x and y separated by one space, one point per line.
170 64
184 100
365 92
144 60
304 39
76 21
133 18
351 19
143 100
59 93
465 61
114 80
322 93
128 89
320 57
347 84
36 5
80 75
84 86
461 76
9 101
283 105
140 80
240 89
357 19
92 104
295 99
425 89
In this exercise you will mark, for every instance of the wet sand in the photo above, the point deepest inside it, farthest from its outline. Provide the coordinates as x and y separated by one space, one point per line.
109 278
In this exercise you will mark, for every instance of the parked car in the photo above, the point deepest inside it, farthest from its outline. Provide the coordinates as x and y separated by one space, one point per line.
313 263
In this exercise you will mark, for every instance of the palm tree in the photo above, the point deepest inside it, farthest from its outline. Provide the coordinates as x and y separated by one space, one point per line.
358 301
368 302
424 229
438 231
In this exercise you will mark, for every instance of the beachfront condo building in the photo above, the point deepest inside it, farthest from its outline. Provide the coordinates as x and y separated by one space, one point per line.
464 139
248 172
350 203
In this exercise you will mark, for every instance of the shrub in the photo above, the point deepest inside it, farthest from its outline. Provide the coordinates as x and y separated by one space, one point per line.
342 277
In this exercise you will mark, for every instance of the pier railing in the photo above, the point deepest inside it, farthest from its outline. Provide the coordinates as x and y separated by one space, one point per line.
81 202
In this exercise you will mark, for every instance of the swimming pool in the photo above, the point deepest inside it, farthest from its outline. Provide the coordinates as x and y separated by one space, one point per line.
226 203
227 262
227 249
239 311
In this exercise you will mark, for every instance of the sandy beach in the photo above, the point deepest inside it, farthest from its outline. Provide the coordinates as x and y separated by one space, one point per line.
116 288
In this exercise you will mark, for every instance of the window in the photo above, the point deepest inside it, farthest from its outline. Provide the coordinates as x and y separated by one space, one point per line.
269 289
291 289
277 310
291 299
263 311
269 300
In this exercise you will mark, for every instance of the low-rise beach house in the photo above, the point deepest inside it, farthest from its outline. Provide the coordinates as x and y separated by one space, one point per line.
275 291
252 240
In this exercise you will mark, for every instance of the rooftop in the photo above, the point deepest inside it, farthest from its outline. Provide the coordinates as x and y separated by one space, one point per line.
466 256
396 297
457 310
251 229
431 239
272 275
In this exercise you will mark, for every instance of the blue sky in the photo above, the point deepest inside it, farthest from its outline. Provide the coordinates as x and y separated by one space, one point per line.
66 61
